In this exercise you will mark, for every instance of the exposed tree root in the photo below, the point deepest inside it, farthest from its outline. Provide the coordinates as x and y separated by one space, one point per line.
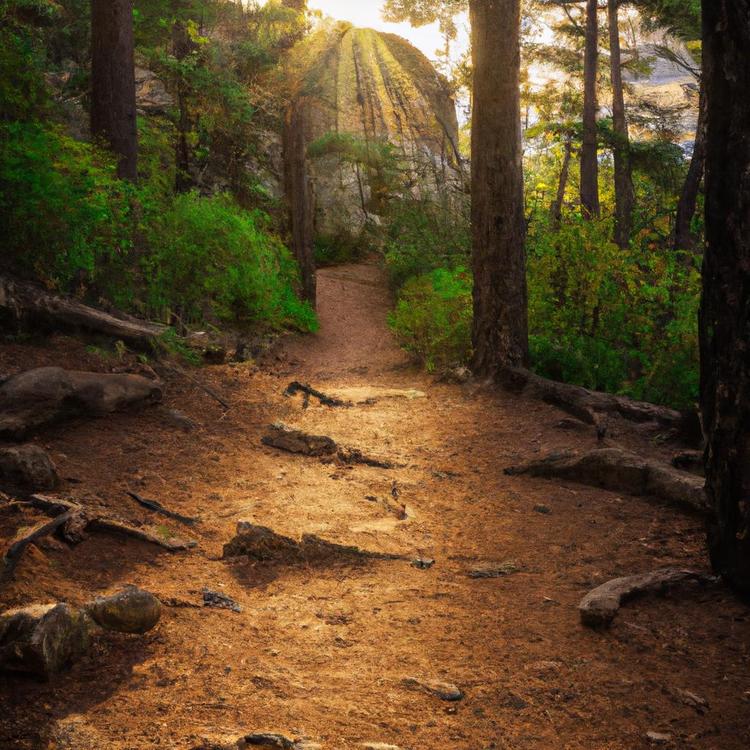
600 606
13 556
26 301
620 471
157 507
73 522
308 391
297 441
593 406
265 545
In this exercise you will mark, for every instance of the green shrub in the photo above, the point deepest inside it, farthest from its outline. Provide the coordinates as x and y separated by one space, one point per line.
63 213
423 236
432 319
209 258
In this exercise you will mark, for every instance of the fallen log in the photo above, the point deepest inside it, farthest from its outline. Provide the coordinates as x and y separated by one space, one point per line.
600 606
592 406
28 302
620 471
157 507
35 398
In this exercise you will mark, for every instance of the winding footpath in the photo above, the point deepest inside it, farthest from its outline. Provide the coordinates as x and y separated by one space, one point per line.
340 653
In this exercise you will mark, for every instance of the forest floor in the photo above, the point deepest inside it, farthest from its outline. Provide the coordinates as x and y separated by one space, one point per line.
321 651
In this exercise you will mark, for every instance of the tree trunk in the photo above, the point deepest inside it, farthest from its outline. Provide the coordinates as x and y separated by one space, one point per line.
725 313
556 210
182 46
500 330
624 193
589 161
683 237
299 197
113 110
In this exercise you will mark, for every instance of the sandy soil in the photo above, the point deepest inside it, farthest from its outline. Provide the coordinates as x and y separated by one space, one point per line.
321 651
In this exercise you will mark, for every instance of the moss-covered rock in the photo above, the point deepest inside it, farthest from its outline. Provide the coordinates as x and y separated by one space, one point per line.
42 639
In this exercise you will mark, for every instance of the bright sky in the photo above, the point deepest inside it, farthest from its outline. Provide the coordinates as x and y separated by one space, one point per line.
367 13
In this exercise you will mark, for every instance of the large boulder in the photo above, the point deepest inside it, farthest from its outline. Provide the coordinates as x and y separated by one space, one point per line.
27 468
368 98
42 639
35 398
131 610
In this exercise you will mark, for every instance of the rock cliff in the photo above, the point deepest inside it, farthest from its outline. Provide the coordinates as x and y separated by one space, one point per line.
377 120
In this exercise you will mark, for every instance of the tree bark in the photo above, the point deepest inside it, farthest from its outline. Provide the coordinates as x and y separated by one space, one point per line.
299 197
556 210
725 313
182 46
500 329
683 236
113 108
589 161
624 193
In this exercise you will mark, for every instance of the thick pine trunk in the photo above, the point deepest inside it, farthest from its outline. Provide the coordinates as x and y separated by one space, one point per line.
589 161
725 314
113 109
624 193
500 331
299 197
683 236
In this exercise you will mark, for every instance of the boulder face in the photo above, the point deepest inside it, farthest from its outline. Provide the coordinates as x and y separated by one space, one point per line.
378 119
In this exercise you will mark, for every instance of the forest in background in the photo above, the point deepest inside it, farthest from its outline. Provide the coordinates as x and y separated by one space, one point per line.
613 283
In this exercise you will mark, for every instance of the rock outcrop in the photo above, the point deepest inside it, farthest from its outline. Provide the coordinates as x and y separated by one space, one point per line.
377 119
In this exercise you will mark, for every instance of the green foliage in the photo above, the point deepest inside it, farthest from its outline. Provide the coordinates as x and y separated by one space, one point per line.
423 236
63 213
335 250
210 259
613 320
432 319
70 222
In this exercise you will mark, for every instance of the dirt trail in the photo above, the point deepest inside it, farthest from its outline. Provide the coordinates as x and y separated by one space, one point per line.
321 651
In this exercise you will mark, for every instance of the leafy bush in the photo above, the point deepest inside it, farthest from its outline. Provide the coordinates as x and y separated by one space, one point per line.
209 258
63 213
623 321
423 236
432 319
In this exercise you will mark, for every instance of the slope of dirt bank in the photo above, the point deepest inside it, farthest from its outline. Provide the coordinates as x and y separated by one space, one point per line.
320 651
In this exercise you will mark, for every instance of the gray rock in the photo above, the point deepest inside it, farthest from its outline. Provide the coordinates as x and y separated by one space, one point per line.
218 600
378 746
443 690
658 738
495 571
179 420
131 610
35 398
266 739
42 639
27 468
